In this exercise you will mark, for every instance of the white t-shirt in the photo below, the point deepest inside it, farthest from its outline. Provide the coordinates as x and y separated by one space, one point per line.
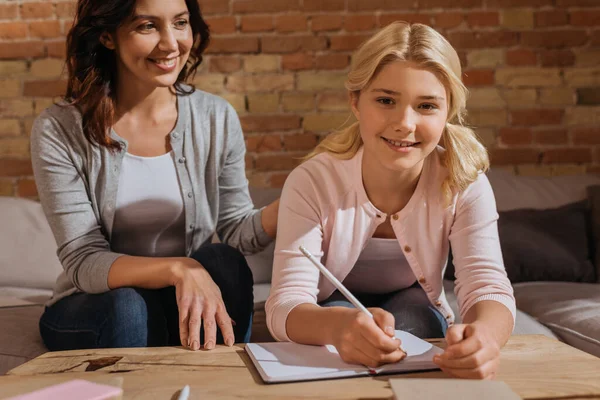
149 216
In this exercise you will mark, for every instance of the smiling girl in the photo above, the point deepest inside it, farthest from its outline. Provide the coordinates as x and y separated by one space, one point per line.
136 171
380 203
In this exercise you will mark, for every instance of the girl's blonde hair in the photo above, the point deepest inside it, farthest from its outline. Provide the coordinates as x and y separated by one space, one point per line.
465 156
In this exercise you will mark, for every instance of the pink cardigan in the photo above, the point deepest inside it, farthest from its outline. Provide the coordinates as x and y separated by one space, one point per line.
325 208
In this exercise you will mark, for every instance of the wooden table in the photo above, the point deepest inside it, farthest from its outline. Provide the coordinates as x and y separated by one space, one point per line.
534 366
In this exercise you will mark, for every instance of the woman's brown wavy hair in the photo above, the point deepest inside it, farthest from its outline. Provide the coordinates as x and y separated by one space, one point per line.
93 68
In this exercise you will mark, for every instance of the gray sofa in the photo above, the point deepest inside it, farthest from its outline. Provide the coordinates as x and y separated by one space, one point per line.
568 311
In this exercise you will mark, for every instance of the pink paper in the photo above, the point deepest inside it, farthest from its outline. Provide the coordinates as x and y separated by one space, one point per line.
73 390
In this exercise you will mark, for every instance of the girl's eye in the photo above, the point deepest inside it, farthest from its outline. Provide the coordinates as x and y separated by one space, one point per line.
181 23
386 101
429 106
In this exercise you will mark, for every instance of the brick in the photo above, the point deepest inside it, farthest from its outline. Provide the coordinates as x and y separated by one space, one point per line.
212 83
528 77
264 6
356 23
298 101
57 49
447 20
500 156
263 103
9 127
583 115
14 148
44 29
516 136
326 22
584 136
559 96
588 96
276 180
66 10
9 68
386 19
486 39
237 101
566 169
221 25
517 18
518 3
592 169
487 118
478 77
245 44
291 23
547 18
297 61
209 7
582 77
484 98
309 81
10 88
276 162
571 3
324 5
260 83
551 136
521 57
15 167
262 63
27 125
47 68
534 117
13 30
519 97
566 155
325 122
6 187
585 17
372 5
292 44
557 58
40 104
482 18
333 101
255 123
8 11
445 4
534 170
257 179
263 143
555 39
303 141
44 88
486 136
583 58
332 61
595 39
346 42
257 24
485 58
26 188
225 64
37 10
16 108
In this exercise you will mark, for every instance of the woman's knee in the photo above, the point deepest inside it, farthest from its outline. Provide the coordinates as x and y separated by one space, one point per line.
126 322
421 320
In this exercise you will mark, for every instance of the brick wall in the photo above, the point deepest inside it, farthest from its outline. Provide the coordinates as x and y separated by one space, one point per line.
533 67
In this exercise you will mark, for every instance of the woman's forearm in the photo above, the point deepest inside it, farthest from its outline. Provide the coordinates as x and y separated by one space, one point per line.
269 218
312 324
495 316
145 272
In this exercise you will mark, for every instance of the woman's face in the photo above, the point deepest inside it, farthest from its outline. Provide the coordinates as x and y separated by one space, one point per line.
402 115
153 46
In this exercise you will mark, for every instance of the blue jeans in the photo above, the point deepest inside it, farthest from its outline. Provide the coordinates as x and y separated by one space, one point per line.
134 317
410 307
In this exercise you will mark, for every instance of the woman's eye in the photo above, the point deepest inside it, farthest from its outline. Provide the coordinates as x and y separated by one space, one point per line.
386 101
181 23
146 27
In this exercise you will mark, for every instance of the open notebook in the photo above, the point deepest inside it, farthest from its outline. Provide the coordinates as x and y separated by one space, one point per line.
290 362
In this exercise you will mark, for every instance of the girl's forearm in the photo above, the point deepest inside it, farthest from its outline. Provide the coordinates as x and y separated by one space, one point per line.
493 315
312 324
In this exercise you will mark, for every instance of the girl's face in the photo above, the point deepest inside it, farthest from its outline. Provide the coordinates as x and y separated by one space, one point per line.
402 115
153 46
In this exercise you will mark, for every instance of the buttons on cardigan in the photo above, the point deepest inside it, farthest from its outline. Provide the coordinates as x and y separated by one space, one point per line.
190 195
191 226
378 215
181 160
422 280
175 135
395 217
448 316
438 303
407 249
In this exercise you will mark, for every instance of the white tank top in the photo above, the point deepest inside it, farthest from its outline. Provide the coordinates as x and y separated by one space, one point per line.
149 215
380 268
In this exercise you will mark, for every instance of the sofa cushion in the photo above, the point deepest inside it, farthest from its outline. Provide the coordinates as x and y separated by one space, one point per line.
594 204
27 247
571 310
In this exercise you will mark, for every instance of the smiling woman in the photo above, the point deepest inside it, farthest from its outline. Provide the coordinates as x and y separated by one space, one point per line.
136 171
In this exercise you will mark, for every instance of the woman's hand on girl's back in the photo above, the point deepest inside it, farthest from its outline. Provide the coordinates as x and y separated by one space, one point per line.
361 339
199 301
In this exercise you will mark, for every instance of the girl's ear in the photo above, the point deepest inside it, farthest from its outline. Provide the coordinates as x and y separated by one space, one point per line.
353 98
107 41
